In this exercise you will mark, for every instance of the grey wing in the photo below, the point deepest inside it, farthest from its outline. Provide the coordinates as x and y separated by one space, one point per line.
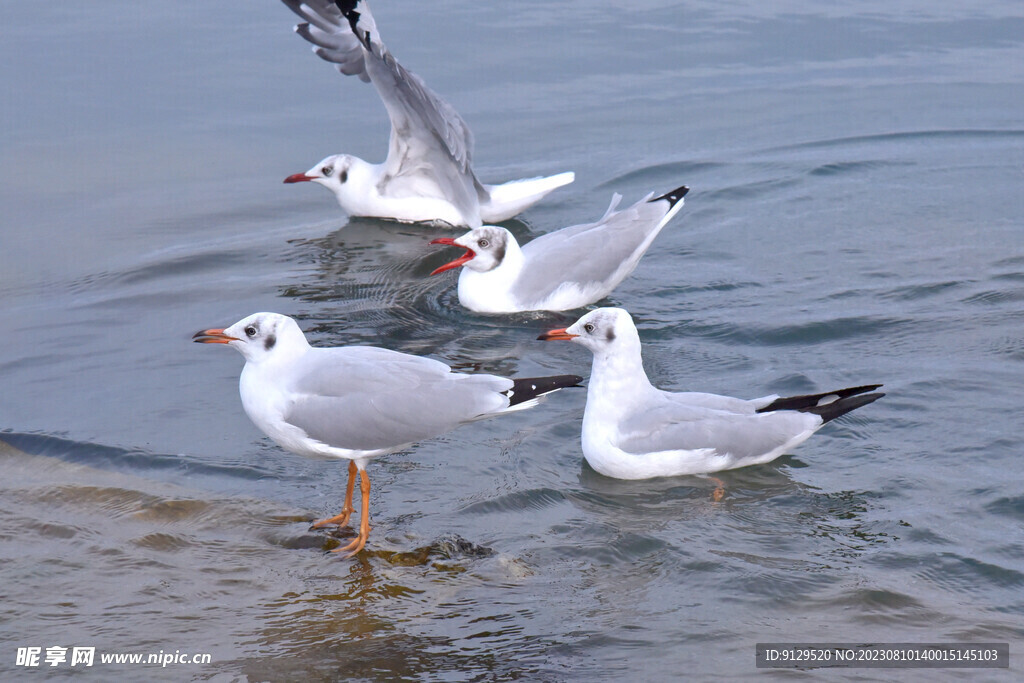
327 29
364 398
713 401
739 435
594 253
431 146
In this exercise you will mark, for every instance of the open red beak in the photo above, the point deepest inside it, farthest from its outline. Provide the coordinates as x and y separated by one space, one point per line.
215 336
465 258
298 178
557 335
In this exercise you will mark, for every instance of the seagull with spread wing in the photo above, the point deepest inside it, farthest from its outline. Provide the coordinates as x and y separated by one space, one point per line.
428 175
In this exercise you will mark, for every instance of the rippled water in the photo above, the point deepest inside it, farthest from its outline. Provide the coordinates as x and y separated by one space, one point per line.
856 216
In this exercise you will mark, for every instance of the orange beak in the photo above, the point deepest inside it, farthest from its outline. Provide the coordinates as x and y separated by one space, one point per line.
557 335
215 336
298 178
465 258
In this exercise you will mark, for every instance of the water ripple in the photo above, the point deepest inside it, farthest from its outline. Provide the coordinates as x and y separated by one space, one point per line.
96 455
812 332
670 172
840 168
968 576
534 499
886 138
1009 506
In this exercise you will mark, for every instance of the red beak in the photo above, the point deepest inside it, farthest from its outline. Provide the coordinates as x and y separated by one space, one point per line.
557 335
465 258
215 336
298 178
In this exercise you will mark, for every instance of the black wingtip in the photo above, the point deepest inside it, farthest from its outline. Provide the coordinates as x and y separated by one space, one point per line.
674 196
807 401
348 10
528 388
831 411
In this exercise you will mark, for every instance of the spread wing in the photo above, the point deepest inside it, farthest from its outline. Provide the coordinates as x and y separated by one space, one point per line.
325 27
365 398
431 146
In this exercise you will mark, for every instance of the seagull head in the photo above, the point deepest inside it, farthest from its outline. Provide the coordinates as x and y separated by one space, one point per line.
342 174
603 330
485 247
258 337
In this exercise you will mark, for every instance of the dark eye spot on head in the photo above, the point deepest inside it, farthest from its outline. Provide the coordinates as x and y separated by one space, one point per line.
499 252
343 177
269 342
611 335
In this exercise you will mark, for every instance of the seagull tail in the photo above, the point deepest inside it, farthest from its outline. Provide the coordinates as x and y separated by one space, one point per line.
831 411
829 405
808 401
526 391
510 199
673 197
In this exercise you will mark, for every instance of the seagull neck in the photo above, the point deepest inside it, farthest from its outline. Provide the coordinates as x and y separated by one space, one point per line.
621 370
284 355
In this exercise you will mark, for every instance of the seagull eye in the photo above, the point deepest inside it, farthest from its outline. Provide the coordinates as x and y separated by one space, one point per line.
327 170
483 242
250 331
344 176
589 327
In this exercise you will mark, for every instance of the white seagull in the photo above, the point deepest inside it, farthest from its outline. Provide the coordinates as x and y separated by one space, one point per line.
358 402
561 270
633 430
428 175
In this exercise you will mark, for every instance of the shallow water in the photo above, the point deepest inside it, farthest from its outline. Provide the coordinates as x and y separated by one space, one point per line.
855 216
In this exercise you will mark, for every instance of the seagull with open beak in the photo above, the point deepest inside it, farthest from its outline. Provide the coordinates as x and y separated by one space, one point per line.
562 270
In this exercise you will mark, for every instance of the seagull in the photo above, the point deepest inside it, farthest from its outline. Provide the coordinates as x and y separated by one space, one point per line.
565 269
633 430
358 402
428 175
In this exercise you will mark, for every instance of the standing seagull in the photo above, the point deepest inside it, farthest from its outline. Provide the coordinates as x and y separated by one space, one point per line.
564 269
428 175
358 402
633 430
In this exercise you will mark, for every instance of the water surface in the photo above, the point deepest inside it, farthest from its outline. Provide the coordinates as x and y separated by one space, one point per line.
855 216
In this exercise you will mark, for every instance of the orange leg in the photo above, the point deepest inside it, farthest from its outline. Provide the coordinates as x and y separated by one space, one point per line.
719 493
364 522
347 510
